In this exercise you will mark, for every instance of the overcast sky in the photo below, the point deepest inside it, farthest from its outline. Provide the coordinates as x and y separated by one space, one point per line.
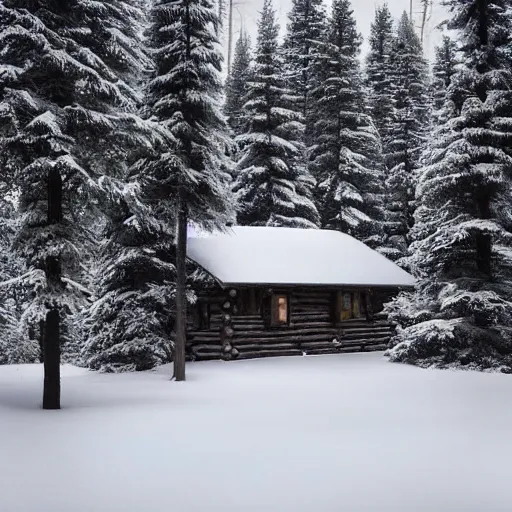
364 11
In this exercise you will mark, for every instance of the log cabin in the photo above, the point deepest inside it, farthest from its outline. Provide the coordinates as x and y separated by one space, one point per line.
289 291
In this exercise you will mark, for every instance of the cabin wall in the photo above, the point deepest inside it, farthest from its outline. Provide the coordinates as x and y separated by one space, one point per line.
312 329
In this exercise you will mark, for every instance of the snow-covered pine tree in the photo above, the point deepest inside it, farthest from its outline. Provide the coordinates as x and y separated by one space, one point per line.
379 73
237 83
306 26
184 97
16 346
346 156
402 149
273 186
60 94
444 68
129 325
461 311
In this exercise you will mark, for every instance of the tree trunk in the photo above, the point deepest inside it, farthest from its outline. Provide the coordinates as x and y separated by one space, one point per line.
41 341
51 348
181 282
51 339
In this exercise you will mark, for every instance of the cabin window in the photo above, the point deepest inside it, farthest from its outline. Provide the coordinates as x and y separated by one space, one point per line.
349 305
280 310
249 301
202 317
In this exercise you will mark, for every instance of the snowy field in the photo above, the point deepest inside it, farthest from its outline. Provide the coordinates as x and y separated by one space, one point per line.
340 433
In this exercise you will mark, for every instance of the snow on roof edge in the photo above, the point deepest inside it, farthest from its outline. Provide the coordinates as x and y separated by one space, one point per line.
280 256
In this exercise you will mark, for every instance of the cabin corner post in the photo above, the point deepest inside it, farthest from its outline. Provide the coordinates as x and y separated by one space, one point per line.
227 329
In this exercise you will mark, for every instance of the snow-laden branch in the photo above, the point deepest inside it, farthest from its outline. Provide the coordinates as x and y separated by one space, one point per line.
18 279
76 285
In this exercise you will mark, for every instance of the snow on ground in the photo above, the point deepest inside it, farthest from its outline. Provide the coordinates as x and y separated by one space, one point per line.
340 433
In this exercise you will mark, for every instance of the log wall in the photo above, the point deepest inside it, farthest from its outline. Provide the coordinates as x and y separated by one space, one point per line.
311 331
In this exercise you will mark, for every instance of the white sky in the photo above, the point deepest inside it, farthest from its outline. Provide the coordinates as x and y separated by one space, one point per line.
248 13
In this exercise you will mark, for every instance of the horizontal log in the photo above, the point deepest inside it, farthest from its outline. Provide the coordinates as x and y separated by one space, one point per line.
348 324
248 317
204 346
269 353
209 333
366 334
319 344
322 351
260 346
306 324
312 314
311 311
248 327
363 342
280 336
292 339
207 357
286 331
366 327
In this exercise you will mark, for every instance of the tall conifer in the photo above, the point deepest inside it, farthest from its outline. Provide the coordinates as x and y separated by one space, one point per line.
461 311
237 83
407 135
273 186
346 154
64 92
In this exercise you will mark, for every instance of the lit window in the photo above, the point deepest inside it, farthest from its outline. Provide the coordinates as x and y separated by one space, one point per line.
280 313
282 310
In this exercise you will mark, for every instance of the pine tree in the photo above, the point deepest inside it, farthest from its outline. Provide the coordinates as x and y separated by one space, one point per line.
379 72
443 70
346 158
62 87
273 185
237 83
184 97
306 26
17 346
461 311
407 135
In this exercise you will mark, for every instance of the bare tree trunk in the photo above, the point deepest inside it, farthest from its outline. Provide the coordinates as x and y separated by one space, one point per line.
51 339
230 34
51 393
41 341
181 282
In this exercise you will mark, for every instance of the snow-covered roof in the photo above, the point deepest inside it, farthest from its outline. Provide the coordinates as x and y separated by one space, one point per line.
292 256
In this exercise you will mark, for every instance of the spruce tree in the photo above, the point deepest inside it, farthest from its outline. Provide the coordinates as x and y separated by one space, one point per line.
301 47
18 345
461 310
184 98
63 101
272 185
379 72
177 177
237 83
346 156
444 68
406 139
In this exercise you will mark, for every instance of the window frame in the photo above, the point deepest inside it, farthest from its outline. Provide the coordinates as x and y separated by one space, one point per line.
340 308
274 310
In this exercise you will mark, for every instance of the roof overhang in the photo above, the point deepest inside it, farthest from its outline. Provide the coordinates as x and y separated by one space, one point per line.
293 257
